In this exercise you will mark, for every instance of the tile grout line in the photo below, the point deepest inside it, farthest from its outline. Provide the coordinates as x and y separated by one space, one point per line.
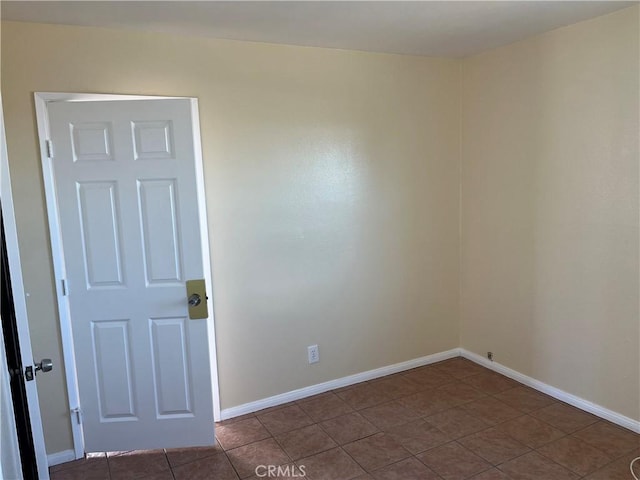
108 465
166 457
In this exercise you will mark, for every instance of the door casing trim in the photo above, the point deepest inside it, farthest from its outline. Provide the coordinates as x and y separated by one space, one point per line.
42 99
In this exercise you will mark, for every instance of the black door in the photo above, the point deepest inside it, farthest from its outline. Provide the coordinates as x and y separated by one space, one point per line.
16 369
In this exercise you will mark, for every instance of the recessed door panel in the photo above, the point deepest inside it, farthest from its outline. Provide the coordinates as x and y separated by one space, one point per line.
100 237
91 141
153 140
171 370
113 370
159 219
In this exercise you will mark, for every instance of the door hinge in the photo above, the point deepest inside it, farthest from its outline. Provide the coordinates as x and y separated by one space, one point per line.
65 290
78 413
49 148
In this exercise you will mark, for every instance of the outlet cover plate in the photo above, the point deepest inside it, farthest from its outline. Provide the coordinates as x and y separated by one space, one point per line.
313 353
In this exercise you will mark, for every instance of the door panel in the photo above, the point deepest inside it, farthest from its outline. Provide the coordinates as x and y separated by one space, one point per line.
125 180
113 370
99 221
91 142
159 219
153 140
171 374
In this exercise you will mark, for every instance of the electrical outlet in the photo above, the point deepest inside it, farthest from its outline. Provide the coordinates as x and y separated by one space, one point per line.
490 356
314 354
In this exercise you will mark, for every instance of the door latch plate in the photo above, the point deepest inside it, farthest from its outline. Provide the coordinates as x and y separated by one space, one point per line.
196 289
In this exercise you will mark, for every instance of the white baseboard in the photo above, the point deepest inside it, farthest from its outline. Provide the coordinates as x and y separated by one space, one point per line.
60 457
333 384
582 404
595 409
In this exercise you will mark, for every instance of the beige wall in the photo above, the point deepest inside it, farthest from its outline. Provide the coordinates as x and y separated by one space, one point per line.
332 192
549 269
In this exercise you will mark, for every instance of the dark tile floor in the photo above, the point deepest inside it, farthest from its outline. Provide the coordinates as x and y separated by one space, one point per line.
453 420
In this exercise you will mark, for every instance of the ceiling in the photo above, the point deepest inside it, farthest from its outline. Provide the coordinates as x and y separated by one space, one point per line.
431 28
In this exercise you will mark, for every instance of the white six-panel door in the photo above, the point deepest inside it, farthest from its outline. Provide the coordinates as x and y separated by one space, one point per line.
125 181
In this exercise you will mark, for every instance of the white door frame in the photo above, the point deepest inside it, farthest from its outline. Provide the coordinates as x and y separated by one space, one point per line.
42 116
20 304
